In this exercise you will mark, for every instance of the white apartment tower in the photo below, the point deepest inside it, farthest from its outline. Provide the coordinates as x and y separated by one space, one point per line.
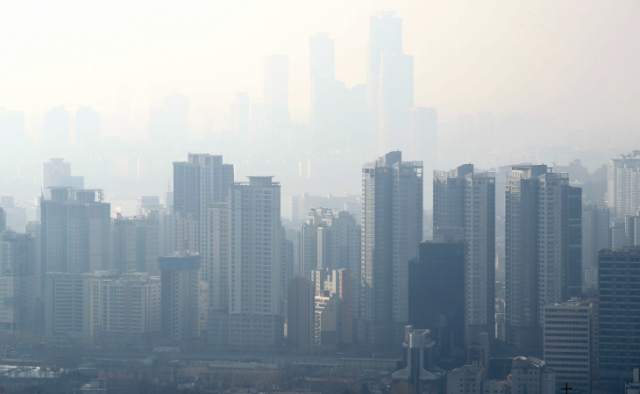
466 200
392 194
537 249
251 312
623 184
68 309
126 309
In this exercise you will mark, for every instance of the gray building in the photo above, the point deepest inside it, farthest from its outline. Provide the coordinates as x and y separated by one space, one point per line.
300 314
19 281
567 343
466 200
135 243
537 240
616 333
254 312
75 231
392 195
595 237
180 296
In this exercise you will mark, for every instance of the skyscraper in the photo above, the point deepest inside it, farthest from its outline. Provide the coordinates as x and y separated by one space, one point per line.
567 343
135 243
169 124
300 314
254 314
595 237
437 295
180 296
241 119
616 333
76 231
389 83
19 281
391 233
276 99
327 96
87 128
466 200
56 130
199 185
329 239
623 184
537 249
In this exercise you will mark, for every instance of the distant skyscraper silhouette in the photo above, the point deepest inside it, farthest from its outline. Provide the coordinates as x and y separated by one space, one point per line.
56 130
276 100
11 125
389 84
169 124
392 193
87 128
241 116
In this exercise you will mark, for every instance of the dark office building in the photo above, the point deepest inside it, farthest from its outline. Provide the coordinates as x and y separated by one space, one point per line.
436 296
574 241
617 320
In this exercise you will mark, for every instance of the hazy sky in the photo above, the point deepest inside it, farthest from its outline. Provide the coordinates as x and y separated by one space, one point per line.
578 61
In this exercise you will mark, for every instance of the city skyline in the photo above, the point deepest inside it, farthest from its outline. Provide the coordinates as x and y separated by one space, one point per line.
539 71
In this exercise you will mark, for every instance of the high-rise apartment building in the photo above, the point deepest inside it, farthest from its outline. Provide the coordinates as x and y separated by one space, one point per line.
135 243
255 315
75 231
567 343
466 200
595 237
180 296
67 307
3 220
330 239
616 333
623 184
538 268
392 193
19 281
126 309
